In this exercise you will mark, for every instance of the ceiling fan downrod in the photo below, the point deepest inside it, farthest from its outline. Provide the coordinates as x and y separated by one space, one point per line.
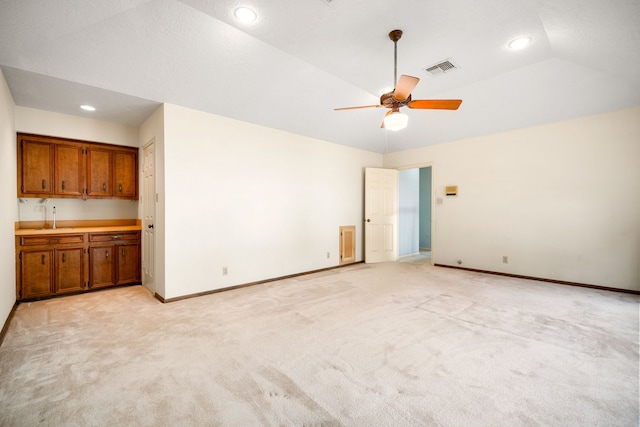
395 36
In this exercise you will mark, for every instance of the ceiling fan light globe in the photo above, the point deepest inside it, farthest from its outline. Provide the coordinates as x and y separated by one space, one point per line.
396 121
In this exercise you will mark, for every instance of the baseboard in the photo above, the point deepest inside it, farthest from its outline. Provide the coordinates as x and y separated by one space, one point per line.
245 285
5 328
540 279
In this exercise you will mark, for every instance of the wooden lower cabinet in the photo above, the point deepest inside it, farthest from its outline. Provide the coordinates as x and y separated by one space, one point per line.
36 272
101 271
114 259
128 266
49 265
69 270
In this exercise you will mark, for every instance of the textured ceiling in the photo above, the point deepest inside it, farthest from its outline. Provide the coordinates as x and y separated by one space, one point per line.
302 58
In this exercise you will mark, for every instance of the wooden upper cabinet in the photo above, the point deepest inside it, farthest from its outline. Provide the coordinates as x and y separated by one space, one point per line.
99 172
69 170
125 174
66 168
35 168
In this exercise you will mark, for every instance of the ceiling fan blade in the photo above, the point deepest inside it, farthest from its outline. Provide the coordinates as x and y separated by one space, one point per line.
357 108
404 87
435 104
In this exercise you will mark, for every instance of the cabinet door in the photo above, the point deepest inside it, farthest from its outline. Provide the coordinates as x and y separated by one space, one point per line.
36 168
69 270
128 263
101 266
69 170
36 272
99 172
125 174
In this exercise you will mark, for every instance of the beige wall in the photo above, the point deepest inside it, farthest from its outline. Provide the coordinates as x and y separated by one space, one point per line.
30 120
9 211
262 202
561 200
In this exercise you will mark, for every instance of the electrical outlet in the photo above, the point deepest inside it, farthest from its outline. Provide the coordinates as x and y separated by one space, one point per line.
225 271
505 259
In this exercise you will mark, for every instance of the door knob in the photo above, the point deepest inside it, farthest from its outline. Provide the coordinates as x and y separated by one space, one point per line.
368 220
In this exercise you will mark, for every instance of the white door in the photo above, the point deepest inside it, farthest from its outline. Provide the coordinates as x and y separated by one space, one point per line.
380 215
149 211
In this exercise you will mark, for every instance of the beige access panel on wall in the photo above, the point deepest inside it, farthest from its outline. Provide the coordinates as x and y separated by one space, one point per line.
347 244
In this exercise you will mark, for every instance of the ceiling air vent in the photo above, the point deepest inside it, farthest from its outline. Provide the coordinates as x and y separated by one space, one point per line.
442 67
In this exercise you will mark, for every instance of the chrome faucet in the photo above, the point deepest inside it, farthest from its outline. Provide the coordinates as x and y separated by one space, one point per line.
54 218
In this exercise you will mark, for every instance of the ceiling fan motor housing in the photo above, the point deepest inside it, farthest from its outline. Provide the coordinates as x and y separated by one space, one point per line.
387 100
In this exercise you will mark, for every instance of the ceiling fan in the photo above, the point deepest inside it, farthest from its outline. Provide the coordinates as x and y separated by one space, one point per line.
401 95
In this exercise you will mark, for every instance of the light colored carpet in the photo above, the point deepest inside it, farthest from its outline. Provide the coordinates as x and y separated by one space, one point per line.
393 344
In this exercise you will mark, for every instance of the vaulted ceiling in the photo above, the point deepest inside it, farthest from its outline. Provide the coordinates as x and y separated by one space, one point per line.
302 58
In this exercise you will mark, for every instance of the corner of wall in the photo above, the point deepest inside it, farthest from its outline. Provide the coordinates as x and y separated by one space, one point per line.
8 197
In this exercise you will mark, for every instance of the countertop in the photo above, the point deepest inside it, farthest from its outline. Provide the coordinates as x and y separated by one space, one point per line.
66 230
31 228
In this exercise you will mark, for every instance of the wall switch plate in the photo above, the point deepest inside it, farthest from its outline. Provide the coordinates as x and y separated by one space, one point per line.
225 271
505 259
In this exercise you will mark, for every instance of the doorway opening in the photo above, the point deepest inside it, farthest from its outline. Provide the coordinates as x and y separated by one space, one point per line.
415 222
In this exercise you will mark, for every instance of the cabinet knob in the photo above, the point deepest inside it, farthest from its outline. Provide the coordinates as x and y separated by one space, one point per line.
42 259
104 187
120 188
64 257
107 255
44 184
62 185
150 226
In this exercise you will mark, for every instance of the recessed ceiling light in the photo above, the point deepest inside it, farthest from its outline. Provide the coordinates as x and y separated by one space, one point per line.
88 108
520 42
245 14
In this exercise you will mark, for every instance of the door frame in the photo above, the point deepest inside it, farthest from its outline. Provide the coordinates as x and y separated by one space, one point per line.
433 200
